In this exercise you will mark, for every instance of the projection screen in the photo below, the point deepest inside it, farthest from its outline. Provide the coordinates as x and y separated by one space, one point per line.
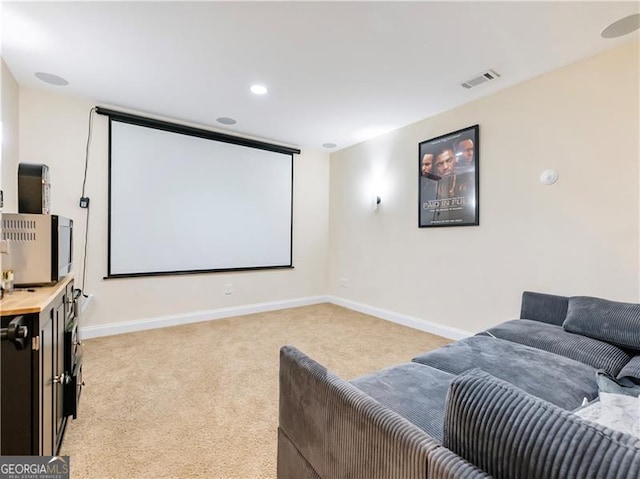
185 200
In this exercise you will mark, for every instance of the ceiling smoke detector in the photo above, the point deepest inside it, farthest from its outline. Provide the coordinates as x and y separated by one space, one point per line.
481 78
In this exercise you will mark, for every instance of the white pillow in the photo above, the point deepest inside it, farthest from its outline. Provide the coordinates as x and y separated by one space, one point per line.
620 412
618 407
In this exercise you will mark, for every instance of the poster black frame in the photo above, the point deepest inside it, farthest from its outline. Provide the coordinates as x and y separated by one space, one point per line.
460 210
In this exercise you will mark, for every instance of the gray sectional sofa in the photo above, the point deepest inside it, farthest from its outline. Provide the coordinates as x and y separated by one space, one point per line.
499 404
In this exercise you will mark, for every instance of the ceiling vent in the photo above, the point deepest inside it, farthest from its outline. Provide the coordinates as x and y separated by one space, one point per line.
481 78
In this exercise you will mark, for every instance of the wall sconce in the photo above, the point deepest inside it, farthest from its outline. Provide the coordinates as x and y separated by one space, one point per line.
376 202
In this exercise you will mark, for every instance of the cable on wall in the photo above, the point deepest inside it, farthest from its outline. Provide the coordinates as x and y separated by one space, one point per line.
84 203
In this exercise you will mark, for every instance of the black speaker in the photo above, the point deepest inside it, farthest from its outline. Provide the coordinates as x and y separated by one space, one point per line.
33 189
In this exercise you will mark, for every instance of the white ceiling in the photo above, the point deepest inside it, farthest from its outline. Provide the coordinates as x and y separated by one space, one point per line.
336 72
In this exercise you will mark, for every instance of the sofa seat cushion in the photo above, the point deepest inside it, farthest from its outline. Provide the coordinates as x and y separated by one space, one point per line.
555 339
554 378
414 391
611 321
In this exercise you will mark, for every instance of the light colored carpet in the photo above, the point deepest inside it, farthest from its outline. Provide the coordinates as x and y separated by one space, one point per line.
201 400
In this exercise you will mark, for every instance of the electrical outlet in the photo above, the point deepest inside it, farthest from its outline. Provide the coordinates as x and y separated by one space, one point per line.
344 282
228 288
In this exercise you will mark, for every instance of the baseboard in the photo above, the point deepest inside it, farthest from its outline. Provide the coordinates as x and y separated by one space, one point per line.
422 325
175 320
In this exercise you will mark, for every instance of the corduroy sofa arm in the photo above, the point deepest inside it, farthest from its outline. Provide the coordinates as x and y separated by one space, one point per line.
444 464
341 432
511 435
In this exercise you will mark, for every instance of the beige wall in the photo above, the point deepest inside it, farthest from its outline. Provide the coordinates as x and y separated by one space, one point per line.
10 150
53 130
577 237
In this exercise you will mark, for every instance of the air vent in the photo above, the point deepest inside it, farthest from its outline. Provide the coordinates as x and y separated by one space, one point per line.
481 78
18 230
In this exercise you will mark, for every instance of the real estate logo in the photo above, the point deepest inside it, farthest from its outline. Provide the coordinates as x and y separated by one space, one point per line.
35 467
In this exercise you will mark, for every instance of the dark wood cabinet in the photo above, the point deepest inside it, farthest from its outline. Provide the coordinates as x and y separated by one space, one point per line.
60 375
36 380
45 358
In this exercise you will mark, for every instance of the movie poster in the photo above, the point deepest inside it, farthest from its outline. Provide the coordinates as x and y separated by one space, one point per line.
448 176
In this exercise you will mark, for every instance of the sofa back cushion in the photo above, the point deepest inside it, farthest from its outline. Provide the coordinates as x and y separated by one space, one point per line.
511 434
546 308
611 321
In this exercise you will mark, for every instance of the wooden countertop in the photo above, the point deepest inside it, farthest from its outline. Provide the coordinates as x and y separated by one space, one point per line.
22 301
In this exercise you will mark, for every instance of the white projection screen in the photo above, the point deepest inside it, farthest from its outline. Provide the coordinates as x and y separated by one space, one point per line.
182 203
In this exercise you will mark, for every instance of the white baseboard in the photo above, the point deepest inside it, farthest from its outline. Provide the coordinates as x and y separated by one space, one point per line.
175 320
89 332
422 325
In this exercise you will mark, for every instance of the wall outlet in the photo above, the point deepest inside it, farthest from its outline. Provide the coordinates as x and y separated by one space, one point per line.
228 288
344 282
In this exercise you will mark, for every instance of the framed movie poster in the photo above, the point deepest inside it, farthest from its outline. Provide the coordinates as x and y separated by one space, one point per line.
448 179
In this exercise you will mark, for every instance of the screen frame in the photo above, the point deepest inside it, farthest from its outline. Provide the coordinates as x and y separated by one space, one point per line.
199 133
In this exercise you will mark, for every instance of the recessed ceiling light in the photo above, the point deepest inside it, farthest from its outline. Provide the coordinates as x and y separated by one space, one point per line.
226 120
51 79
259 89
622 27
329 145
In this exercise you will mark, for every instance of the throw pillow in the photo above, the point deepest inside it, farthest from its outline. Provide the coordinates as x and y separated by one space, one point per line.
631 370
625 386
611 321
619 405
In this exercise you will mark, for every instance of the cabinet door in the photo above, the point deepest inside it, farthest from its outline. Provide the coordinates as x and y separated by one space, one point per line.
16 380
60 376
47 390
